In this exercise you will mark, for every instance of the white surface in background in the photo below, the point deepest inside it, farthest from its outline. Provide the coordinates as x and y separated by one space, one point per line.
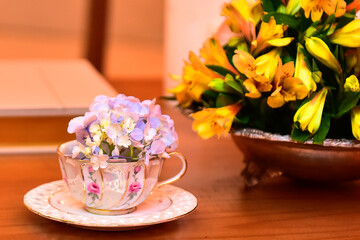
49 87
188 23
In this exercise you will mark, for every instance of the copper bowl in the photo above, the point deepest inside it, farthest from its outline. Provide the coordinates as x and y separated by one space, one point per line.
267 154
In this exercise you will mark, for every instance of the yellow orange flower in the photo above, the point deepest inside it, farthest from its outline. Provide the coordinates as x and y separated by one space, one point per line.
214 121
287 87
353 5
270 34
352 84
242 16
302 70
214 54
309 115
348 36
317 7
292 7
318 49
353 60
259 72
196 78
355 122
266 64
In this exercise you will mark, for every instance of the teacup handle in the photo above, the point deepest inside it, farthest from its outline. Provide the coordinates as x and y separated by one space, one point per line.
180 174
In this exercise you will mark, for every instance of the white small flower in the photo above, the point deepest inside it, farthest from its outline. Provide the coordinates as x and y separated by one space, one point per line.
129 124
149 133
95 129
99 161
123 141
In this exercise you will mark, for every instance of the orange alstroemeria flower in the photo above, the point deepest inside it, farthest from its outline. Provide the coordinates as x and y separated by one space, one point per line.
353 5
260 71
214 121
318 7
195 80
214 54
287 87
270 34
242 16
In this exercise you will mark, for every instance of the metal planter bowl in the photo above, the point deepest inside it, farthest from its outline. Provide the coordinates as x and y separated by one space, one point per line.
267 154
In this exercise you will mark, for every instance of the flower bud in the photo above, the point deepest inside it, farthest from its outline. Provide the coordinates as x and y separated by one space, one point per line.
309 115
355 122
318 49
348 36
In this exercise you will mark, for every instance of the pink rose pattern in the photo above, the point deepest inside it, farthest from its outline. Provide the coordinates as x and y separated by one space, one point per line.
137 169
135 187
93 189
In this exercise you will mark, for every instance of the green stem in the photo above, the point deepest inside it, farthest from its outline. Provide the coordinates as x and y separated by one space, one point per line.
341 82
131 151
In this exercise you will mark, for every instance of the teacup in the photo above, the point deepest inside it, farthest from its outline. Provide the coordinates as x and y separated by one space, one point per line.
116 189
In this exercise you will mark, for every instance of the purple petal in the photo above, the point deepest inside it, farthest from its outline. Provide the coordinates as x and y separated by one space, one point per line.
75 125
154 122
157 147
81 136
114 119
95 150
140 124
89 118
137 134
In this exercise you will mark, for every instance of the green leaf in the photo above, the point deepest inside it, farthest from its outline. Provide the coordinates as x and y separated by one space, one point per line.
282 18
323 130
298 135
219 70
209 98
224 99
268 6
281 9
242 119
350 100
328 23
236 85
287 58
219 85
305 23
316 73
96 196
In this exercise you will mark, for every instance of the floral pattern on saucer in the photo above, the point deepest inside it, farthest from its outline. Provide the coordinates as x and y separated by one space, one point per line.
165 204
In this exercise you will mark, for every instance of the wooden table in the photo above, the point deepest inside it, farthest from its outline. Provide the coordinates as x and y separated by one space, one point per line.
279 208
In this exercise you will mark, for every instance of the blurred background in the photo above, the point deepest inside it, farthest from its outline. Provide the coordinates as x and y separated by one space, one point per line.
61 29
133 44
127 41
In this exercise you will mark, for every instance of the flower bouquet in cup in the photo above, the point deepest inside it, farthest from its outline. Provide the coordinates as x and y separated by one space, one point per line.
288 67
122 129
117 156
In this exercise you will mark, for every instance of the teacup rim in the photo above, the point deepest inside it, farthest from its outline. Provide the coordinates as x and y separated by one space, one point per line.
59 153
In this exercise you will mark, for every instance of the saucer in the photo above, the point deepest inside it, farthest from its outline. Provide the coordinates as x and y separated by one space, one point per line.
54 201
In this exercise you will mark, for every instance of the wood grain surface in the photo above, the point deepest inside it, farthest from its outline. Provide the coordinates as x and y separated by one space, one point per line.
279 208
